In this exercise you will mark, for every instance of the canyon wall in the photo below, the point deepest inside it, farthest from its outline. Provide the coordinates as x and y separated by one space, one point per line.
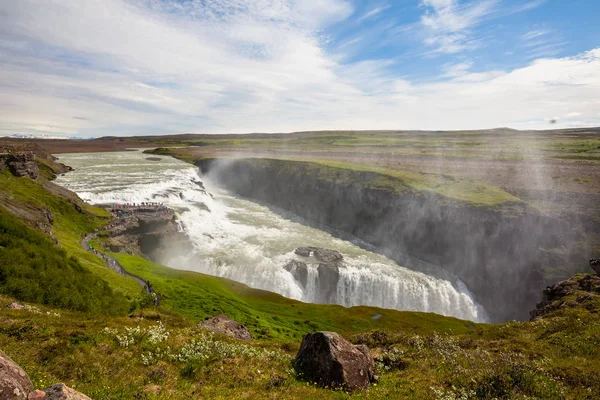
495 251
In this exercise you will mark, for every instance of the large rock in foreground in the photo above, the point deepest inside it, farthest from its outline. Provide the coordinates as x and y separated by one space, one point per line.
330 360
223 324
14 382
60 391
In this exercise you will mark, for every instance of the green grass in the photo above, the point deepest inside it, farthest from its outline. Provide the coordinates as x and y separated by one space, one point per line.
33 269
552 358
29 197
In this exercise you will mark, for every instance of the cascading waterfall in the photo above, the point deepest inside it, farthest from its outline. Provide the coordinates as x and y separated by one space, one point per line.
246 242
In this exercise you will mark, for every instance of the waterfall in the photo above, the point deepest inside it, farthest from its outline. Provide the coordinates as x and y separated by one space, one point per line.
246 242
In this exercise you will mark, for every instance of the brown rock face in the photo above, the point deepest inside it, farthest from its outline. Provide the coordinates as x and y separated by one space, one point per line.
223 324
60 391
14 382
330 360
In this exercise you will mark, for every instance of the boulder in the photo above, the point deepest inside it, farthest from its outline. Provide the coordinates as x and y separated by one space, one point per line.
328 256
14 382
331 361
595 265
323 255
15 306
37 395
299 271
60 391
223 324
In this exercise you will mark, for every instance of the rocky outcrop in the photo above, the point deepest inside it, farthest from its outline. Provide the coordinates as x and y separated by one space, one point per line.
332 361
329 275
152 231
328 264
60 391
14 382
221 323
299 271
22 165
595 265
15 306
22 154
578 291
324 255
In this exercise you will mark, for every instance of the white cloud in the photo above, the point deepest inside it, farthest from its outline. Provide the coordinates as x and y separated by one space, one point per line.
535 34
543 43
371 13
113 67
448 23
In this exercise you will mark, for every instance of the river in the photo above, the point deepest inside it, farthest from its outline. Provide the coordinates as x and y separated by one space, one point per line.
247 242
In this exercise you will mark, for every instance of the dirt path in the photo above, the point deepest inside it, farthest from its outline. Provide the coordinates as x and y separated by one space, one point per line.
115 266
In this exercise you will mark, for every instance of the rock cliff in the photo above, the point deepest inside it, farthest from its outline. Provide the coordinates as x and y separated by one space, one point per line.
495 251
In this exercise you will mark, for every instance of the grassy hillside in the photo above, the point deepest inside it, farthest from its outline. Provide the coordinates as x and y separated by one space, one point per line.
72 219
33 269
157 354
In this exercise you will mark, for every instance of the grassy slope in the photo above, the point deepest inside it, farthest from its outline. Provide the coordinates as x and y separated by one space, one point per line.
69 224
552 358
33 269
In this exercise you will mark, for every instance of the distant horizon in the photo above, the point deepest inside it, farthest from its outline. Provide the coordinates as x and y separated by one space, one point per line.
145 67
52 137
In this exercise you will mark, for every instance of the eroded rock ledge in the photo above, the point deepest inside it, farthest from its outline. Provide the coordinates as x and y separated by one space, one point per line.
148 230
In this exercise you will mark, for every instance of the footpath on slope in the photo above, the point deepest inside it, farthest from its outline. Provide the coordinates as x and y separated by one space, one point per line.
115 265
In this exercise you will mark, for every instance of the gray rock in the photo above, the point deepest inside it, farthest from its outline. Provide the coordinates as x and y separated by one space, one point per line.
15 306
22 165
330 360
323 255
60 391
299 271
328 256
223 324
329 275
14 382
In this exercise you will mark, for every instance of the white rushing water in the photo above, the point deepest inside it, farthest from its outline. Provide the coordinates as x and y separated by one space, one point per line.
248 243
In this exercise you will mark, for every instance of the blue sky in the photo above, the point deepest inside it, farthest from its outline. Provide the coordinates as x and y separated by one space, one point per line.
131 67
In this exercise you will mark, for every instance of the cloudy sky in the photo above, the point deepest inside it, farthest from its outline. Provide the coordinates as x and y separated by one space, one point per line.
129 67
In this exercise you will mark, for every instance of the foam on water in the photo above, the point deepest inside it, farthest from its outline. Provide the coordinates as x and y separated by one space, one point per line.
248 243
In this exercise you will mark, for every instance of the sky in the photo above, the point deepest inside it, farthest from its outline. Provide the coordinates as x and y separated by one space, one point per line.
91 68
